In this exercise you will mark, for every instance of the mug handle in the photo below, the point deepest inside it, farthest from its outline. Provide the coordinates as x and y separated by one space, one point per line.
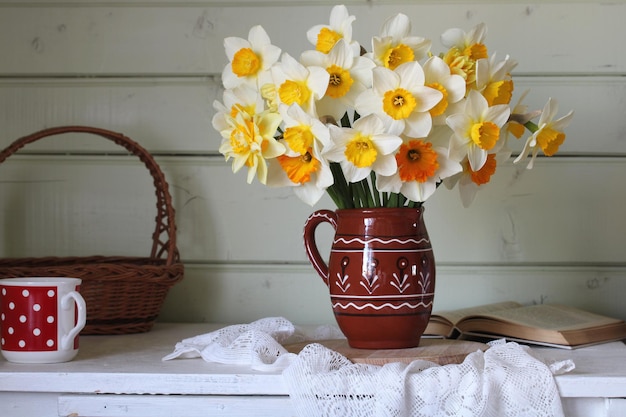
67 341
312 252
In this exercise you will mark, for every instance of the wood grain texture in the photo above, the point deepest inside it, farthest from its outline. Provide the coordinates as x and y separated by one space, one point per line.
439 351
130 39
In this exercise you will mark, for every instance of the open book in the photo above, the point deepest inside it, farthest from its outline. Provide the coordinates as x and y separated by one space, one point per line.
543 324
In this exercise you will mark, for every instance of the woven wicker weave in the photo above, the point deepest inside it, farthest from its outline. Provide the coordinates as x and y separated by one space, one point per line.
123 294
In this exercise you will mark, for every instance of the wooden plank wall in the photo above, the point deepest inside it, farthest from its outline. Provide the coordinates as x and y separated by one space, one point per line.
151 69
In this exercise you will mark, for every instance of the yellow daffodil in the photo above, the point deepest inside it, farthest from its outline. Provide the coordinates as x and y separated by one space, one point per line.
477 129
401 100
470 44
349 75
249 60
240 99
395 45
249 140
464 49
363 148
518 119
421 167
302 165
298 84
324 37
470 182
548 135
493 79
438 76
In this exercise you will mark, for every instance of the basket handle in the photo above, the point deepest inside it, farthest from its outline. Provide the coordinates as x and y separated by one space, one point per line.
164 236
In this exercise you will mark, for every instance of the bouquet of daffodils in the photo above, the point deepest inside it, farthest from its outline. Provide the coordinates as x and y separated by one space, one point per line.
383 128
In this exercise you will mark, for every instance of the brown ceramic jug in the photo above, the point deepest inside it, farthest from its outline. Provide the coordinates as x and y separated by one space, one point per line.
380 274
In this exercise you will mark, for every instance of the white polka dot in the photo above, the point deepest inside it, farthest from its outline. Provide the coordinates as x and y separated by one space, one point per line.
50 319
36 332
2 316
50 342
11 305
36 307
11 330
51 293
21 343
25 293
4 291
2 341
22 319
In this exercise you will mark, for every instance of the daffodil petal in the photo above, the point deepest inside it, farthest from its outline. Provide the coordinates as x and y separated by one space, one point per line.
233 44
385 165
384 80
309 193
368 102
411 74
258 37
476 157
428 98
418 125
498 114
397 26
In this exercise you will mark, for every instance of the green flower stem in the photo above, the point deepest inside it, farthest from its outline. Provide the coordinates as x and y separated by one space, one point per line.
336 197
531 126
363 194
359 195
367 193
393 200
375 192
340 188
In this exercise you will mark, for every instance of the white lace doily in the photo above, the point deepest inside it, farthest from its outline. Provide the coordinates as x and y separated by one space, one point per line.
506 380
258 344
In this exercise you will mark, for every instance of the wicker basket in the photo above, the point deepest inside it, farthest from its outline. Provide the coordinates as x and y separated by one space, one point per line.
123 294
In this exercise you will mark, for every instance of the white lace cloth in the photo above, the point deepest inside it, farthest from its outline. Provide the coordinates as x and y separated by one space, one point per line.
258 344
507 380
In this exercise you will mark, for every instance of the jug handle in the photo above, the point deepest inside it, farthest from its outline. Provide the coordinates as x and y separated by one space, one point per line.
312 252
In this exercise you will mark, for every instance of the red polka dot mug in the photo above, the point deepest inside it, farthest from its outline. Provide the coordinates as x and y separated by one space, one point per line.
40 319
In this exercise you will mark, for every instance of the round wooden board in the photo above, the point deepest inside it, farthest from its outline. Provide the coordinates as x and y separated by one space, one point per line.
439 351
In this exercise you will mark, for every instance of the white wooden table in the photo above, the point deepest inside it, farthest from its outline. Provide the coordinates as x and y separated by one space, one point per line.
113 375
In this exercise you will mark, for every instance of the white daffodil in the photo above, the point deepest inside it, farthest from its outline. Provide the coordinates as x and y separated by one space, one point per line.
302 131
349 75
470 44
437 75
477 130
549 135
464 49
493 79
395 45
470 181
324 37
518 119
400 99
302 165
249 60
421 167
363 148
298 84
243 98
249 140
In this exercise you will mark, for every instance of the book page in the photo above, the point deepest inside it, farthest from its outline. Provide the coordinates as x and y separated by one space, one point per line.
454 316
552 317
